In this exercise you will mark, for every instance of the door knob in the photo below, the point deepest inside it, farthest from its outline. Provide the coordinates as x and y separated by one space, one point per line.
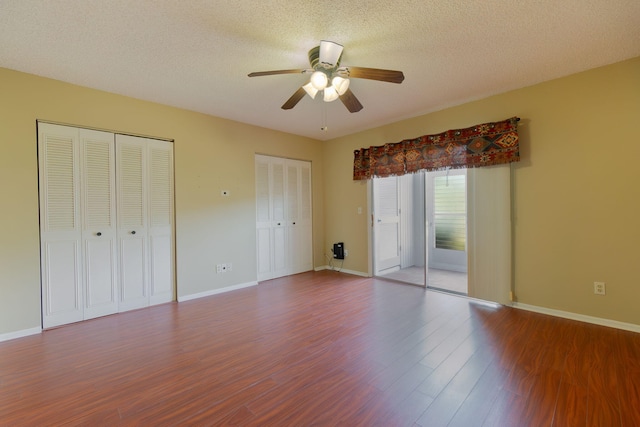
133 232
98 234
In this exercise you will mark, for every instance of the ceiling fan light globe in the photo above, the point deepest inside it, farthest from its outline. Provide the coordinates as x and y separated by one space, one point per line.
319 80
330 94
311 91
341 84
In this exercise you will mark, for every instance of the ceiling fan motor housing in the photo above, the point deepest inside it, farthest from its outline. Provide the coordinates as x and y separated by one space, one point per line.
314 60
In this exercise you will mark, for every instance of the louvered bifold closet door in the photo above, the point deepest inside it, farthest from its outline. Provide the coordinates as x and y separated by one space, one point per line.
60 225
293 217
279 239
263 218
298 198
132 229
305 233
160 179
98 223
283 217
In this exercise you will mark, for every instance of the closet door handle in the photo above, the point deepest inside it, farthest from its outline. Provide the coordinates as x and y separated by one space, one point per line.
133 232
98 234
294 223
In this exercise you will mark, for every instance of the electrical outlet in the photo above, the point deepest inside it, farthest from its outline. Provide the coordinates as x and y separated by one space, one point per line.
599 288
346 253
224 267
229 266
219 268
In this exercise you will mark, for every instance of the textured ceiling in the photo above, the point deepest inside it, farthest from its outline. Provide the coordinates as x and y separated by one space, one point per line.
196 54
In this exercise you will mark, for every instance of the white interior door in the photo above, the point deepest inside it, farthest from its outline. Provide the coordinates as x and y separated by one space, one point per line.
160 179
303 224
99 223
271 225
263 218
386 205
298 197
279 227
293 221
98 259
132 222
60 225
283 217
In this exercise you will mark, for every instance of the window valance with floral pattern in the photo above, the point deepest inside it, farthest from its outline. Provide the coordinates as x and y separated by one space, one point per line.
487 144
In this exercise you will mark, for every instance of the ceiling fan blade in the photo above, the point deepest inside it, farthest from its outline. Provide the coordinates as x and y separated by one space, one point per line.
271 73
295 98
330 53
390 76
350 101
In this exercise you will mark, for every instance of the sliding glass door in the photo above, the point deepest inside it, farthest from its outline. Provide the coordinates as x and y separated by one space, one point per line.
447 230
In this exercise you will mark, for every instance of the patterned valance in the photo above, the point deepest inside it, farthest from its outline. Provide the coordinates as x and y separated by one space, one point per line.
487 144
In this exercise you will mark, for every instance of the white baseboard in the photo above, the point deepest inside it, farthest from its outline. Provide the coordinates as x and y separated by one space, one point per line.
341 270
216 291
19 334
580 317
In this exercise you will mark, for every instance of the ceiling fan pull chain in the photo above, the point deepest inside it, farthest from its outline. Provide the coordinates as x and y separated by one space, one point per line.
324 127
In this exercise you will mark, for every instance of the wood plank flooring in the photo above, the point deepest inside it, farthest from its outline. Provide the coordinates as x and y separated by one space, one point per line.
323 349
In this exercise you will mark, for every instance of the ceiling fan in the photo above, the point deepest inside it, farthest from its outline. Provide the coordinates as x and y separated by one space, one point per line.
329 77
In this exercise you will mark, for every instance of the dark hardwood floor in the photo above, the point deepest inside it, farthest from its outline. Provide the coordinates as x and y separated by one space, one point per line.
322 349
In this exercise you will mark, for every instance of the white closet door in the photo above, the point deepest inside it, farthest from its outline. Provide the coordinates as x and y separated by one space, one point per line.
283 217
263 218
279 230
60 226
305 233
293 217
299 216
99 223
132 222
160 166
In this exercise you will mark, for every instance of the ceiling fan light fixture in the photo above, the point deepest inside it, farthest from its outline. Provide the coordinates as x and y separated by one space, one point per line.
330 94
319 80
311 91
330 53
341 84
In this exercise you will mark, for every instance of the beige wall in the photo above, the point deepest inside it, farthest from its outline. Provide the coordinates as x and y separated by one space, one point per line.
577 188
211 154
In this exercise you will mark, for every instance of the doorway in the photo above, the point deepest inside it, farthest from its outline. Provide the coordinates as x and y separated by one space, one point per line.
420 229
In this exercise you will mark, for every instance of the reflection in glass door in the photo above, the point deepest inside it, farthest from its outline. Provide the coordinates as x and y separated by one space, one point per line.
399 228
447 230
420 229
